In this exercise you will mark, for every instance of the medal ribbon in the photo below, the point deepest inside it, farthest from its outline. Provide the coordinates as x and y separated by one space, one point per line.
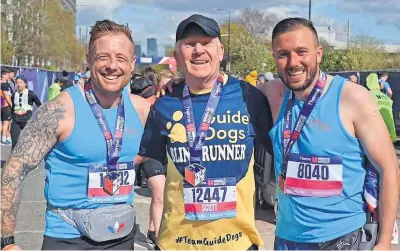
114 144
289 137
196 139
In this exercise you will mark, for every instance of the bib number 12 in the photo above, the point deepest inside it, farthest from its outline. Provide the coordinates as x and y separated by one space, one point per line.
124 178
308 171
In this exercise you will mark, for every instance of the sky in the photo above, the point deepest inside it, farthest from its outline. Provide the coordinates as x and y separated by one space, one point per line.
159 18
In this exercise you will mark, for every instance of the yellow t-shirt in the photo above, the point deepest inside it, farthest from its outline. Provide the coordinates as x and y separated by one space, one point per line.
227 154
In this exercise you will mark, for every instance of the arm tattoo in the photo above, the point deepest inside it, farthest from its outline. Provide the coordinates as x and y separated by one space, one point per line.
35 141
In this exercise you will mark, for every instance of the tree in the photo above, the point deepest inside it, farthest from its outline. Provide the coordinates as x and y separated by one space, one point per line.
256 22
22 24
326 45
364 53
6 48
42 31
247 53
59 35
392 61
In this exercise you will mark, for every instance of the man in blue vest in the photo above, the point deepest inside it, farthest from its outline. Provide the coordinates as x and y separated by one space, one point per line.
89 168
324 128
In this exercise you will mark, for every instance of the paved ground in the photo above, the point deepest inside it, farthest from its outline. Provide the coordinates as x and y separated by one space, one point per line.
30 223
30 218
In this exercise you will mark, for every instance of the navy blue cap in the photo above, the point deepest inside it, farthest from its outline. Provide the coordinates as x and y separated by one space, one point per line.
208 25
22 78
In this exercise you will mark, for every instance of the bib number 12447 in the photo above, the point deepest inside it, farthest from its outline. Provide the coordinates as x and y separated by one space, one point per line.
209 194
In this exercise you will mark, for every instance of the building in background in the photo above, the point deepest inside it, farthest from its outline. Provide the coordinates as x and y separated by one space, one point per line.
69 5
138 50
152 47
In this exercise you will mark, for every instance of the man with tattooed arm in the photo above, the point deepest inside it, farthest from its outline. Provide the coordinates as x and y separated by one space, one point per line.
79 135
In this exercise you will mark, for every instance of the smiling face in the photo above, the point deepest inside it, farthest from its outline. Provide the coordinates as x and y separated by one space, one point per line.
111 61
21 85
199 56
297 57
12 75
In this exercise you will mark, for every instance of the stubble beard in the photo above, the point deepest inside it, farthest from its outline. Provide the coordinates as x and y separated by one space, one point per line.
309 80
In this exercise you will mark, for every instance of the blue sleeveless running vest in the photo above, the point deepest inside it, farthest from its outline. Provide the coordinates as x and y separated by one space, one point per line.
67 163
313 219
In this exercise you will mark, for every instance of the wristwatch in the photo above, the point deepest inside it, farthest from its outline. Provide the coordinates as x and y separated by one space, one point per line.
5 241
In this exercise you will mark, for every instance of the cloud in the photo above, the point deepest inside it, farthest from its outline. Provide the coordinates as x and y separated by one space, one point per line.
384 11
281 12
159 18
89 11
208 5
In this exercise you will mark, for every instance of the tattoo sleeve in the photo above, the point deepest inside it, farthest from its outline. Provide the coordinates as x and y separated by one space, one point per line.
35 141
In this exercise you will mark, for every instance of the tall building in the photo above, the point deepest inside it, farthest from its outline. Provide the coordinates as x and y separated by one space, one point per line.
152 47
70 5
138 50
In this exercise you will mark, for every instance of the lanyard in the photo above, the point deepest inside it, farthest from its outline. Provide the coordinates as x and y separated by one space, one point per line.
196 139
289 137
113 144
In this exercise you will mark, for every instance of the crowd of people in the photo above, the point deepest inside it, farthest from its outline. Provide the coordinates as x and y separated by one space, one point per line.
195 146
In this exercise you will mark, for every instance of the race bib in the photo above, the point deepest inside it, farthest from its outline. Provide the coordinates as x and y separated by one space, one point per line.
314 176
213 199
97 173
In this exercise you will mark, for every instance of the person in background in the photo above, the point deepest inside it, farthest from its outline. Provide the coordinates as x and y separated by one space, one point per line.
65 81
385 87
22 105
85 77
261 79
353 78
371 81
268 76
5 107
64 84
252 78
151 171
150 74
385 104
163 77
11 77
77 77
55 89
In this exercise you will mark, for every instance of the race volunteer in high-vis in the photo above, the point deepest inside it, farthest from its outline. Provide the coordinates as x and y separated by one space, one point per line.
206 129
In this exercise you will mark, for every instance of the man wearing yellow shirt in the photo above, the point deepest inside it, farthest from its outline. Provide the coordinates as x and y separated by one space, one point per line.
204 131
54 89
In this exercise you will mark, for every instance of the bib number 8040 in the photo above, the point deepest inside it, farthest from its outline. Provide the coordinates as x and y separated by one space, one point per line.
308 171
